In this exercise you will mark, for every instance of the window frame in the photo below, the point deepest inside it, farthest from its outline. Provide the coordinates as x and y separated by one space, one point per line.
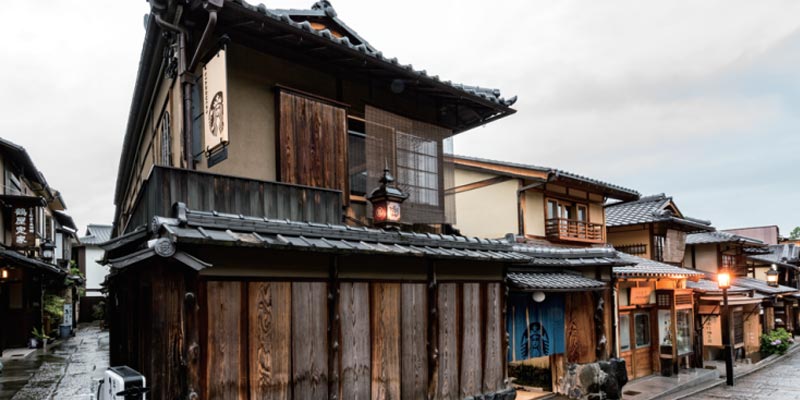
648 335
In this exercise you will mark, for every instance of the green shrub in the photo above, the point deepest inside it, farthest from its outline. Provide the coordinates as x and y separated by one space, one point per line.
529 375
99 311
54 307
776 342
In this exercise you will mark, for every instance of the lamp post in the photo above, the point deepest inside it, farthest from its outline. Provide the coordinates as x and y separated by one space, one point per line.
772 276
724 282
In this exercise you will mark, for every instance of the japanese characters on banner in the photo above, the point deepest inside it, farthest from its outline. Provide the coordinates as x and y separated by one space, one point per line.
215 102
24 226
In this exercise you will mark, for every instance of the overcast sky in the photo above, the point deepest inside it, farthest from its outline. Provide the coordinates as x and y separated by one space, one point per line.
698 99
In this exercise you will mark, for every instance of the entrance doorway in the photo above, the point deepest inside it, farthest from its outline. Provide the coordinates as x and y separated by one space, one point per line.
635 339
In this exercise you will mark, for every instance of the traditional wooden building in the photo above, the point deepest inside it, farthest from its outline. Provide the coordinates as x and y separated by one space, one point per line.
785 259
247 260
89 257
35 250
656 310
655 316
560 304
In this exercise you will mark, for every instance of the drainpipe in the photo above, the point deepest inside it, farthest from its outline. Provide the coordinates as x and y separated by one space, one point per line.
187 68
551 176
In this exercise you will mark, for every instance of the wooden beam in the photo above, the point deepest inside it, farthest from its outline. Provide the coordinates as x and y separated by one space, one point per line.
477 185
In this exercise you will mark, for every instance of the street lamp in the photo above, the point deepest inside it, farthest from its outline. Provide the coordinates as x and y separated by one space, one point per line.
772 276
724 282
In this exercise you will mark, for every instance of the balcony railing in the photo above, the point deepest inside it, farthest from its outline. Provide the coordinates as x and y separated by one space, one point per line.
227 194
573 230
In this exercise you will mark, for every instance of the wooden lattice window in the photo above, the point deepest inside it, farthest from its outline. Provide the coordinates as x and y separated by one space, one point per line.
659 242
634 249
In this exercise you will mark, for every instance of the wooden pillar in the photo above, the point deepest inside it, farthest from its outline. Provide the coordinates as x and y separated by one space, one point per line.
433 332
334 331
191 342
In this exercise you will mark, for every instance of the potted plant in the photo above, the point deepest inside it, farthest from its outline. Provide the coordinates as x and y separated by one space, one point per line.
99 313
39 339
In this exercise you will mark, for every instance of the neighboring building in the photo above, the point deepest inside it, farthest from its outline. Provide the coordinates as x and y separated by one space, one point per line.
769 234
89 258
657 319
233 272
35 249
560 306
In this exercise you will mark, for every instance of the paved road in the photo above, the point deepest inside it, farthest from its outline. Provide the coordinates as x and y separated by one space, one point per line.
779 381
67 372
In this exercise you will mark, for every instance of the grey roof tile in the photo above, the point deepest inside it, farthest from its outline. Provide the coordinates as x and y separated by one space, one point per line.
787 255
552 280
647 210
720 237
643 267
761 286
551 256
96 234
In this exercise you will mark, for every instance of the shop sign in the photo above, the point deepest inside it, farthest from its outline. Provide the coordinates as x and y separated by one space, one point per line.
640 295
23 227
215 102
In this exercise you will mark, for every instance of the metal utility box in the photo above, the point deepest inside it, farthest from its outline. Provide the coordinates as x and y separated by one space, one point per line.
122 383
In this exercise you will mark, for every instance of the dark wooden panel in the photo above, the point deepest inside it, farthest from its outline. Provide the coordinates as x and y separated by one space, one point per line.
494 354
448 385
471 361
385 311
355 339
310 340
414 354
270 309
227 194
312 140
580 332
226 374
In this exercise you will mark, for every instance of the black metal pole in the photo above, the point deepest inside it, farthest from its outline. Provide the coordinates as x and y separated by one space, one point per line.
726 338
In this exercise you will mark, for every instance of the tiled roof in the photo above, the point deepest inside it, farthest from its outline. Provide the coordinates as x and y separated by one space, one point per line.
14 258
643 267
547 256
553 281
555 173
787 255
323 8
647 210
217 228
719 237
711 286
761 286
96 234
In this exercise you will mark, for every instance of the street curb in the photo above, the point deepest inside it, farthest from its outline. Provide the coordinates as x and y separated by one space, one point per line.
759 366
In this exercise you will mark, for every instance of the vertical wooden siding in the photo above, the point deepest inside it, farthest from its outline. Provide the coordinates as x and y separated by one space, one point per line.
580 333
227 194
382 337
312 143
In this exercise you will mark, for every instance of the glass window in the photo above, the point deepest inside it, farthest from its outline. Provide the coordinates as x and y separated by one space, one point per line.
166 140
642 330
552 209
684 331
624 332
418 167
583 214
357 156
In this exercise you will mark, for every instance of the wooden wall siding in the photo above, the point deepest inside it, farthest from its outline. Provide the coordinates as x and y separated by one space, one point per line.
166 333
471 368
310 340
414 358
580 334
492 375
270 334
385 307
226 375
449 349
354 312
211 192
312 143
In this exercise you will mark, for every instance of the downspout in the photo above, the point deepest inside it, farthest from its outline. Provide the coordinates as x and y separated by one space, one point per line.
186 69
551 176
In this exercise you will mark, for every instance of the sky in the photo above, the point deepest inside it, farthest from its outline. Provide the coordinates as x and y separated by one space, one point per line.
696 99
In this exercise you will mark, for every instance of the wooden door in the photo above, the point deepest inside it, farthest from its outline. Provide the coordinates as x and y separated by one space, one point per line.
636 348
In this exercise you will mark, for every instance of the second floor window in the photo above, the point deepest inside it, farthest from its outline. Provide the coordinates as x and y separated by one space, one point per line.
166 140
567 210
418 167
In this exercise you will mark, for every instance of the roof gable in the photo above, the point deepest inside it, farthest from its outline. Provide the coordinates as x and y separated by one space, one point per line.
652 209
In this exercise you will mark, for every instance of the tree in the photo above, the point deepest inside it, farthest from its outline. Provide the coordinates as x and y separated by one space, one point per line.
795 235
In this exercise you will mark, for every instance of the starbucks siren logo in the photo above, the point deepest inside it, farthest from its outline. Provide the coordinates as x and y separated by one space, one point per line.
217 113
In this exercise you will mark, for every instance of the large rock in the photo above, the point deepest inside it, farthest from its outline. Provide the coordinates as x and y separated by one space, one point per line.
600 380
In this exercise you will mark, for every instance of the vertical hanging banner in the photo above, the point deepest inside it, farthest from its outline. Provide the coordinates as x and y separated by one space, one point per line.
215 102
23 227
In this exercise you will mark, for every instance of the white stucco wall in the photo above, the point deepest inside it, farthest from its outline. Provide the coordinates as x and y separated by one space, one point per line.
95 273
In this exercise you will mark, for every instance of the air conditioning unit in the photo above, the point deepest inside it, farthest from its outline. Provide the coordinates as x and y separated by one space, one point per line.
122 383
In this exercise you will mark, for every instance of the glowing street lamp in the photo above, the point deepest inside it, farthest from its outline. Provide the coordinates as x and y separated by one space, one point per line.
724 282
386 200
772 276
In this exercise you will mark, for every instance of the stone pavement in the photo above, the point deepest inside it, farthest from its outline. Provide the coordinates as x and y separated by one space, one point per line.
778 381
68 371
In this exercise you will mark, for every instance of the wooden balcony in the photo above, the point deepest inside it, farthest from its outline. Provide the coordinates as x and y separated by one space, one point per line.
572 230
227 194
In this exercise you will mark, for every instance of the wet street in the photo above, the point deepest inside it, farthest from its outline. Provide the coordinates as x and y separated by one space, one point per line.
779 381
67 371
